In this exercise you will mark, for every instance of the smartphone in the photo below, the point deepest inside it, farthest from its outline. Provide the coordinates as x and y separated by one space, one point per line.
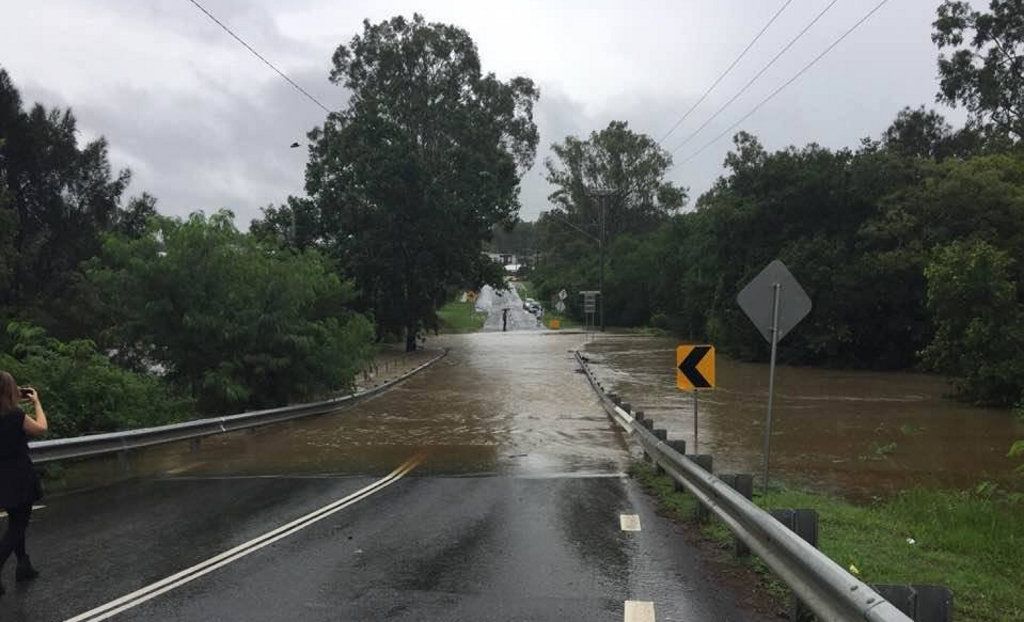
26 392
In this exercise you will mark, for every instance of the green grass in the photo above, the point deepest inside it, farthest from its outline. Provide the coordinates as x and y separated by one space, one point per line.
460 317
973 544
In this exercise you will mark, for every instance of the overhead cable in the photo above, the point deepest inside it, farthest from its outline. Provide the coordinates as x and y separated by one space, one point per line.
722 75
787 83
260 56
750 83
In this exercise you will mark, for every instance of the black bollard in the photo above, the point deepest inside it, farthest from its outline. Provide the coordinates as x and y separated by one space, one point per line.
922 603
704 461
680 446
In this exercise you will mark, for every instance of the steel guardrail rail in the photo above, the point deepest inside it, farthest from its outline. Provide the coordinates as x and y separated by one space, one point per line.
112 442
824 586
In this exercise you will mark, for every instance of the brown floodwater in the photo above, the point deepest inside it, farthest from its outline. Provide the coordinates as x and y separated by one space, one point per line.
498 403
858 434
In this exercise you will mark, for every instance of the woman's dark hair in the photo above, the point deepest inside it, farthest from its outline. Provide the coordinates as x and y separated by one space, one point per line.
9 393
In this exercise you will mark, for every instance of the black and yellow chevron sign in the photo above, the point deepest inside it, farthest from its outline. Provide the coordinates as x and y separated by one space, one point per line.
695 367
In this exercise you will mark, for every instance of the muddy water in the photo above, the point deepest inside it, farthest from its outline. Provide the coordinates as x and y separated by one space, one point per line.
499 402
855 433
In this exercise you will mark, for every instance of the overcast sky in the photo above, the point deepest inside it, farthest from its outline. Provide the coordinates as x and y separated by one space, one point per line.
204 125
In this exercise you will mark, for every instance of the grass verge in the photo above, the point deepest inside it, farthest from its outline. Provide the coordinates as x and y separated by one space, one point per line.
972 544
460 317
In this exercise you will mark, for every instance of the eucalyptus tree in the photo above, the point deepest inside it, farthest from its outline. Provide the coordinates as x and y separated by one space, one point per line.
425 158
985 72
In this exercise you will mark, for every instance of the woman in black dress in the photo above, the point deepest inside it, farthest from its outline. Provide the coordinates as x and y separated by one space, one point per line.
19 484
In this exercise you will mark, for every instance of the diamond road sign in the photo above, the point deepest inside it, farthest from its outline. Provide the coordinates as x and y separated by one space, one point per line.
562 295
757 297
560 306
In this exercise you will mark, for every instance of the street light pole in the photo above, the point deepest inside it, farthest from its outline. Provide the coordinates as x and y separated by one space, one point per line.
601 245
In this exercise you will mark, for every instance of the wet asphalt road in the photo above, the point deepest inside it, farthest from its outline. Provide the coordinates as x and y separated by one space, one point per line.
513 513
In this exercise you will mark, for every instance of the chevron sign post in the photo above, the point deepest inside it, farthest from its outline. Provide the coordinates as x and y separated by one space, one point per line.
695 369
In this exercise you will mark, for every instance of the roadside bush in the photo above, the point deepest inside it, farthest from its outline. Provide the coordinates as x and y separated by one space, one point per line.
236 323
82 390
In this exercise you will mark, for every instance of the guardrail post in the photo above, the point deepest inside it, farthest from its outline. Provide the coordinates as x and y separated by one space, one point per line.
803 523
701 514
649 424
124 462
680 446
662 435
923 603
742 483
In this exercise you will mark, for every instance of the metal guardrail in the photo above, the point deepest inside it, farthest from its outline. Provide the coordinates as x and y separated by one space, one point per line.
823 585
99 444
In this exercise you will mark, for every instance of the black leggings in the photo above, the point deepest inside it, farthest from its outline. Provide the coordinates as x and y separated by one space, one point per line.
14 538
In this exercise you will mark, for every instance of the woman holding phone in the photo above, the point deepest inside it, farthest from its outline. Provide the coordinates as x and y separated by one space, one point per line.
19 484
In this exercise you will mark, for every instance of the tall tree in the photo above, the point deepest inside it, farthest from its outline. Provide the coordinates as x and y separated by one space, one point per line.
922 133
627 168
425 159
62 198
985 72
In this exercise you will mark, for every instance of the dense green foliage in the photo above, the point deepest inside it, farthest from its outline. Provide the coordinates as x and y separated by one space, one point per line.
234 322
60 199
910 246
407 181
83 390
153 319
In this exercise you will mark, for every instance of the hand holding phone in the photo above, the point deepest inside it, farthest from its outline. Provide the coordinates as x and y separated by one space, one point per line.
28 393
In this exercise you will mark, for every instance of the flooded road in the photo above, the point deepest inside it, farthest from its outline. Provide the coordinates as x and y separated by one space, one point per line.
489 486
858 434
509 403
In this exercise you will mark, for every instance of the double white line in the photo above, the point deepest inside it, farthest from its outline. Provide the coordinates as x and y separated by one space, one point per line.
153 590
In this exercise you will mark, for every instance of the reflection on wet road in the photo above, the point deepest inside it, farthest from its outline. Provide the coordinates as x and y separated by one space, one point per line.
855 433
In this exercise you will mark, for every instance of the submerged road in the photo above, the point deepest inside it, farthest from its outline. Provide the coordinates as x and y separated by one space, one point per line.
488 487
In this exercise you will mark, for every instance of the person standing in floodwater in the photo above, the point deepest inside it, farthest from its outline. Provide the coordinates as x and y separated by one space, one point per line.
504 320
19 484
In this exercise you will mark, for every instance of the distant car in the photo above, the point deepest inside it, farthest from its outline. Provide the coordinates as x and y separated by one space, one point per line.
528 303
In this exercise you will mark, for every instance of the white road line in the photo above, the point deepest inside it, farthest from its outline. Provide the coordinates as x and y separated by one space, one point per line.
639 611
629 522
34 508
205 567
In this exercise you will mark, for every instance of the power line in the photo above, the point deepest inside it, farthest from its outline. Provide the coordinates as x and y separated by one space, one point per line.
727 70
787 83
260 56
756 77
